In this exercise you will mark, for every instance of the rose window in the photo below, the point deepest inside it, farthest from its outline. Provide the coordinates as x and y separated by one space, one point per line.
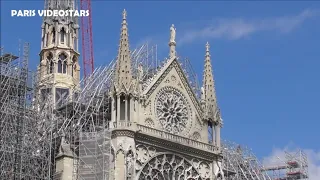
172 110
169 167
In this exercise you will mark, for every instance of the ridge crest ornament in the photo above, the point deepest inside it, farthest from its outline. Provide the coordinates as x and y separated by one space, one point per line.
171 110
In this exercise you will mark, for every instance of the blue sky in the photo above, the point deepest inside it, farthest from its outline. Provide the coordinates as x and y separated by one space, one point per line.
265 57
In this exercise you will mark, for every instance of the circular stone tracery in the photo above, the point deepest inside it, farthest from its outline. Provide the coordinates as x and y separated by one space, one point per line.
171 110
168 167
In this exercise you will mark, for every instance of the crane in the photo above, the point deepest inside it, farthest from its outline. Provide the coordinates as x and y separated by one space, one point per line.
87 45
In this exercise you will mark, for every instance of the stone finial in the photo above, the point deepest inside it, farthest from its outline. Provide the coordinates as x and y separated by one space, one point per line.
207 49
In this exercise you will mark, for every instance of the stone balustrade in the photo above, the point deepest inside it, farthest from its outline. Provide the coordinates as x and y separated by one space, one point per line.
165 135
122 124
176 138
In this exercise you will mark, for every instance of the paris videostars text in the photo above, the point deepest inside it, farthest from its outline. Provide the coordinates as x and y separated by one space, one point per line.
49 13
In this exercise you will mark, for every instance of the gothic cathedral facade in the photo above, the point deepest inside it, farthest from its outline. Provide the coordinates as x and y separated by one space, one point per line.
159 127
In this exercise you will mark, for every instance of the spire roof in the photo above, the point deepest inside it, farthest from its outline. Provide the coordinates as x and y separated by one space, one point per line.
123 74
209 96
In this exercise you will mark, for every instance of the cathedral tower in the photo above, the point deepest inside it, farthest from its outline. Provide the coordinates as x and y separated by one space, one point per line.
59 70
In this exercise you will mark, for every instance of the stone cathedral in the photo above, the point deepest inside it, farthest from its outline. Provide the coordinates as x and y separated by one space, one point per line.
159 128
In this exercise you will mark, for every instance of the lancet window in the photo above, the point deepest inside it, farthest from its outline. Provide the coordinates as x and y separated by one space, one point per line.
62 64
50 64
210 132
62 35
53 35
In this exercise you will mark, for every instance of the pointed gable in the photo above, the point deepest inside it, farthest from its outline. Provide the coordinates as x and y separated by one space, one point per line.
162 76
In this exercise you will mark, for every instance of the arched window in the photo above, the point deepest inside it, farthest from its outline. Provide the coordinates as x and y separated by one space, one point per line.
50 64
53 35
62 35
59 66
62 63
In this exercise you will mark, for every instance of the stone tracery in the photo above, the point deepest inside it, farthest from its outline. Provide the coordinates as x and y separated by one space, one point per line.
168 167
172 110
151 164
149 123
196 136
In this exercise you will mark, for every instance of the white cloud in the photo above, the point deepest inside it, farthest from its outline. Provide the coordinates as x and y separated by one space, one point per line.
278 157
236 28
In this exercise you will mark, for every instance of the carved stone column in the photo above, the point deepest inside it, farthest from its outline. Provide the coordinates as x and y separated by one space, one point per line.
217 137
113 111
126 108
118 107
213 135
132 110
172 46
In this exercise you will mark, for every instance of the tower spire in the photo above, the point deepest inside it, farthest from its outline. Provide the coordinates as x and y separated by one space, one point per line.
123 69
208 90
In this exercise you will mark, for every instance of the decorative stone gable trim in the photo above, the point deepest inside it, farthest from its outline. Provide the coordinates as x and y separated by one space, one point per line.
127 133
175 64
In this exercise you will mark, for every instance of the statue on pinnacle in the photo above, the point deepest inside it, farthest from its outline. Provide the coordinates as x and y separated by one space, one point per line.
173 33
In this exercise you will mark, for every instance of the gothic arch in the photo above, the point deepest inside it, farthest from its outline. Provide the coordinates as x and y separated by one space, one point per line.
47 53
168 166
64 27
120 149
62 63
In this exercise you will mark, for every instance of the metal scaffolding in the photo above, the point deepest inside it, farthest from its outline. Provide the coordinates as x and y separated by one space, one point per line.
294 166
21 156
94 155
239 163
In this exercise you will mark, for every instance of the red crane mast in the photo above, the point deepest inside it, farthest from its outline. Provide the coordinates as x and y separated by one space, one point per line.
87 45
